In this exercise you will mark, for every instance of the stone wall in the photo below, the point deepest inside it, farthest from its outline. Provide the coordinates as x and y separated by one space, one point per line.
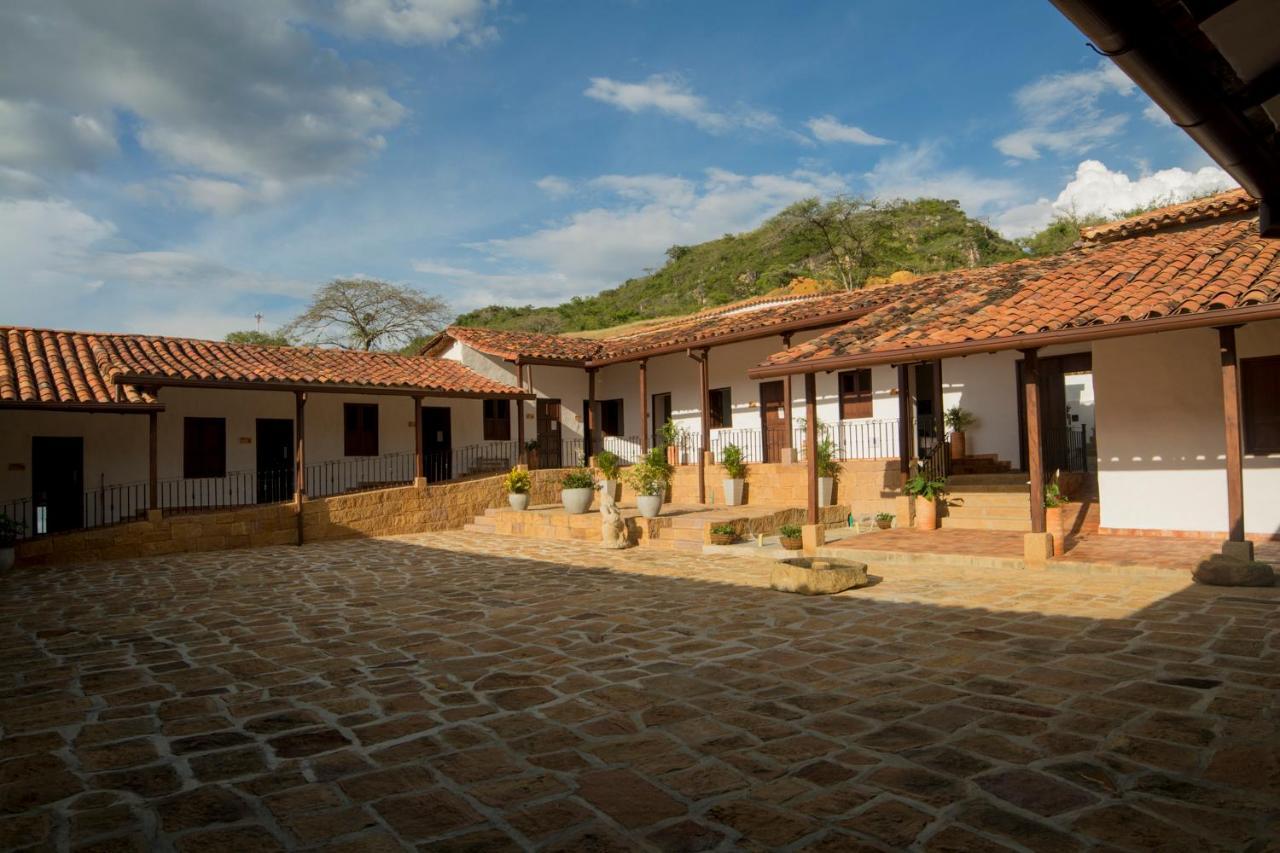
385 512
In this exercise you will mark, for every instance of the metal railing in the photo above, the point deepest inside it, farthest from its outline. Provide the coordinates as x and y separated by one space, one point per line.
869 439
1067 448
935 463
572 452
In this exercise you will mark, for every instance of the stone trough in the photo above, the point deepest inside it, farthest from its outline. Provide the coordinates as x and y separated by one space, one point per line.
817 576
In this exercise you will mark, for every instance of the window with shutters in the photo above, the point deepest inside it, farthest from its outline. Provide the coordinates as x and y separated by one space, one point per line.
721 408
497 420
1260 402
204 447
360 429
855 394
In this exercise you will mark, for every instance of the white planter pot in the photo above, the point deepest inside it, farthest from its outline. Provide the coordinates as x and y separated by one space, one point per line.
649 505
576 501
825 487
733 492
519 501
7 557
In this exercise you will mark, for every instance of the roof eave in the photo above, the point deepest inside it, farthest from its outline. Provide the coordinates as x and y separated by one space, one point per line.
105 408
1079 334
512 393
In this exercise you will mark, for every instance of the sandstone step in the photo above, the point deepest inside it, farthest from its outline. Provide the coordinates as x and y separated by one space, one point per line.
976 512
977 499
1023 524
1016 478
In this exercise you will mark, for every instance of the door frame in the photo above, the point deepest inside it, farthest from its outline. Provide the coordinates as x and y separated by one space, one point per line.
768 453
72 497
264 487
1059 366
440 467
552 452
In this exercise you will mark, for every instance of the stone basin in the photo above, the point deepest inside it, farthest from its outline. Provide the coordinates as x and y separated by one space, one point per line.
817 576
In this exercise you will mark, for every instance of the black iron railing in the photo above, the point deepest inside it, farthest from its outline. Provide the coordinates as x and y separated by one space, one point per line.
1067 448
935 463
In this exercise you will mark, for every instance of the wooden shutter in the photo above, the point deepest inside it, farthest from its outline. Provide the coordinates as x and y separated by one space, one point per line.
497 420
204 447
855 394
1260 400
360 429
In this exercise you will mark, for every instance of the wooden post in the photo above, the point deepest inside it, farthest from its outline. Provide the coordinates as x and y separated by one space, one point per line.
705 421
644 405
300 456
153 481
1035 453
905 427
521 453
787 441
589 439
1231 421
811 442
419 466
939 414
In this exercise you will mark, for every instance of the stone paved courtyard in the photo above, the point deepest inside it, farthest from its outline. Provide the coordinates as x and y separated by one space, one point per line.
468 692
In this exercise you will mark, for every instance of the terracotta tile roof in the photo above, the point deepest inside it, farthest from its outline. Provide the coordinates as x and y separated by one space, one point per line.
1215 266
1230 203
59 368
511 345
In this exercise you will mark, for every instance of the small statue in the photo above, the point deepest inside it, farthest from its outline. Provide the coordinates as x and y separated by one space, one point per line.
613 530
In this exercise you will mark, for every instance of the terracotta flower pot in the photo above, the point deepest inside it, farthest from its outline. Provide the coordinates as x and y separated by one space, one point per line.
1055 525
673 455
723 538
791 544
926 514
884 523
959 448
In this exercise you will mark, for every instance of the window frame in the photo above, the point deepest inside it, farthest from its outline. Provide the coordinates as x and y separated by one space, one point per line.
864 400
200 459
496 427
720 416
620 425
364 440
1251 402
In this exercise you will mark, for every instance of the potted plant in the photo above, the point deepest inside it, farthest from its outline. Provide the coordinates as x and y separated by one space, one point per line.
10 530
1054 523
518 483
610 467
790 538
531 452
649 478
670 435
958 420
735 473
577 487
723 534
828 471
884 520
926 493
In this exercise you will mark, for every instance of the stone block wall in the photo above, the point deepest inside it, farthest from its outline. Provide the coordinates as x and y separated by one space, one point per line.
864 485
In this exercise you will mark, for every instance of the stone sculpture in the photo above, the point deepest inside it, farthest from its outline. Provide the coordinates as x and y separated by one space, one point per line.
613 531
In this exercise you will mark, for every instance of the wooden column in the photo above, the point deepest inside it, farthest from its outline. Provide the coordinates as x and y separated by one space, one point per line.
905 428
299 456
153 481
419 468
521 453
1231 421
811 442
705 421
787 440
939 413
644 405
589 439
1035 453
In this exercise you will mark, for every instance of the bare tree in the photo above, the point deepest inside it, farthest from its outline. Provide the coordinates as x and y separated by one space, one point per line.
365 313
849 229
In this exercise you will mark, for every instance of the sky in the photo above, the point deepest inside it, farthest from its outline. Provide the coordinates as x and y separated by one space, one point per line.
181 167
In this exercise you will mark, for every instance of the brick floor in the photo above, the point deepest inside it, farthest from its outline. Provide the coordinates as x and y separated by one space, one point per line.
469 692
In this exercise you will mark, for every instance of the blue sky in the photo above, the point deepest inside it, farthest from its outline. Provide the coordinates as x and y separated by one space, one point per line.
179 168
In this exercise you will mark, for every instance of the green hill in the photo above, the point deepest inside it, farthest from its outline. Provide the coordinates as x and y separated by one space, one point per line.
863 240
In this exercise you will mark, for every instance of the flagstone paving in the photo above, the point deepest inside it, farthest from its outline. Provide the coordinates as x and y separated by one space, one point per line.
470 692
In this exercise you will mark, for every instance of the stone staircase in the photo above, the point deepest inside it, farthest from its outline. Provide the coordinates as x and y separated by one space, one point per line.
1002 501
984 463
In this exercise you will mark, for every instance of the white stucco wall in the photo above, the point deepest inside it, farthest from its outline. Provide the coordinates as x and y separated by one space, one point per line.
1161 440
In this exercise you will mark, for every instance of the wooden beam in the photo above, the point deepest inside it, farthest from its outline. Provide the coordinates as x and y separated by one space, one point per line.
589 443
905 430
1035 453
1231 421
787 440
705 422
811 443
644 405
299 456
419 466
153 480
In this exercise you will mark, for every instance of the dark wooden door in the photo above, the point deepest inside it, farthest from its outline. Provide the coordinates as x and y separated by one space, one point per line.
661 414
773 420
57 483
1063 446
275 460
926 408
548 424
437 443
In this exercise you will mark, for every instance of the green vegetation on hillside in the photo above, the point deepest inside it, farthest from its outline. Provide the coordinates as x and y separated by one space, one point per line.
845 241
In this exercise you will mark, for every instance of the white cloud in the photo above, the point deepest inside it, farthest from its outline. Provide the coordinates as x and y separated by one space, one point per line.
604 245
1152 113
829 129
915 172
415 21
1061 113
1096 190
554 186
670 94
33 136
